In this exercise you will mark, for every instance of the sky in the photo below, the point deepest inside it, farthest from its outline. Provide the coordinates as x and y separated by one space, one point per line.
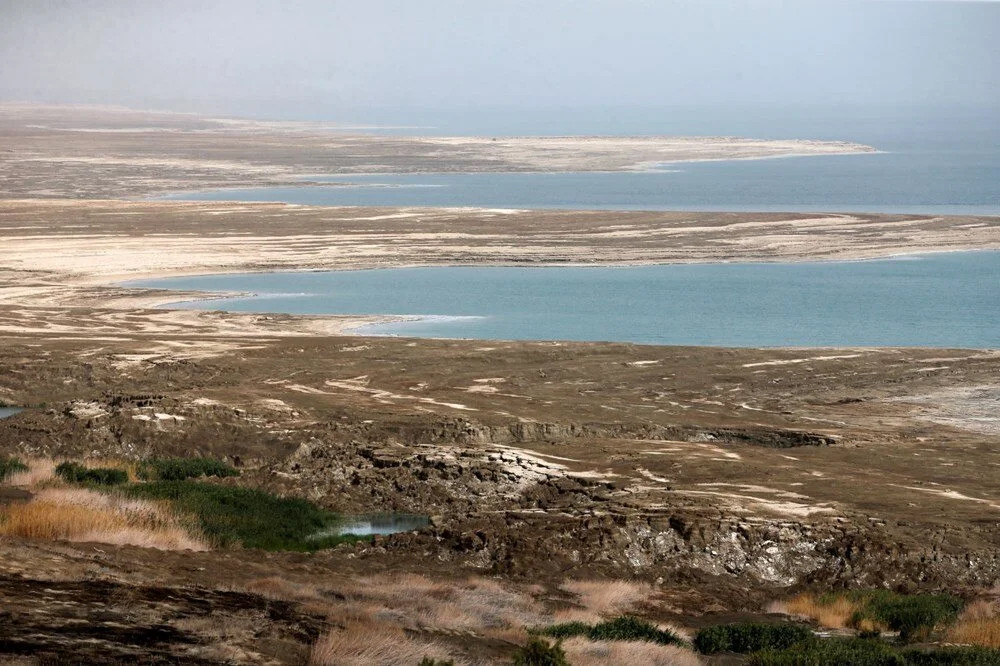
348 59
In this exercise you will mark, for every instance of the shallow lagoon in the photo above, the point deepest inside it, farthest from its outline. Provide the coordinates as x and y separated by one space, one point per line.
940 300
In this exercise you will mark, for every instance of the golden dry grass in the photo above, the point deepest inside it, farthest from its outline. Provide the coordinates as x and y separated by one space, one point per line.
373 645
384 617
980 609
833 614
985 632
978 624
40 471
128 466
583 652
274 587
77 514
601 598
418 603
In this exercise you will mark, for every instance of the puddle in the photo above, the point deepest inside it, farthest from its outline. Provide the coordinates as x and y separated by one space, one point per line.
380 523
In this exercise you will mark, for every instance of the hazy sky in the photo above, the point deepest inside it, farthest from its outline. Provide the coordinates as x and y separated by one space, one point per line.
314 58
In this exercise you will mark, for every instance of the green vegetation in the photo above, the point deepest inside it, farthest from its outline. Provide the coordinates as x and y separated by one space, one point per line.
624 628
179 469
953 656
870 652
102 476
830 652
913 616
540 653
10 466
427 661
231 516
750 637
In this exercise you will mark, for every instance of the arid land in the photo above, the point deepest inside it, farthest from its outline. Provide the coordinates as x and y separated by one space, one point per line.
715 480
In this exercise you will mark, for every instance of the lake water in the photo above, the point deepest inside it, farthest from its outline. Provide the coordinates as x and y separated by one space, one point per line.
9 411
942 300
880 182
945 163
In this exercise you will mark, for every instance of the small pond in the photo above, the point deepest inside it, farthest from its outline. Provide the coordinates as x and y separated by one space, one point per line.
9 411
378 523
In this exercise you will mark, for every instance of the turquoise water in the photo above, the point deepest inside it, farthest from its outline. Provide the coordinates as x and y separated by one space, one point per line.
925 183
931 164
942 300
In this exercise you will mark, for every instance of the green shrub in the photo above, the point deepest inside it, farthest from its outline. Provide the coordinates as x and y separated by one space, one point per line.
10 466
913 616
179 469
566 630
830 652
953 656
252 518
624 628
750 637
103 476
540 653
427 661
868 652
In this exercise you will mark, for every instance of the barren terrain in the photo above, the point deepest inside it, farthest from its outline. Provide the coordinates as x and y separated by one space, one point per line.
715 480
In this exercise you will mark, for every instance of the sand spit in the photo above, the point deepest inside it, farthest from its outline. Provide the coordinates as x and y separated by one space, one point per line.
80 152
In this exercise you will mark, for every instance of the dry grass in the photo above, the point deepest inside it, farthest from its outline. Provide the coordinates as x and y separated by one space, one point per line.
834 614
373 645
602 598
419 603
40 471
384 616
76 514
980 609
985 632
582 652
979 624
127 466
281 589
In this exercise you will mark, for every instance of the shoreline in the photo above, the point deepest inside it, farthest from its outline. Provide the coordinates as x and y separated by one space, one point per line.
52 152
81 252
202 301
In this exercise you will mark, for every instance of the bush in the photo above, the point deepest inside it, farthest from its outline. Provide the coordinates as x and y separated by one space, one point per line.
252 518
103 476
540 653
179 469
913 616
624 628
427 661
953 656
830 652
10 466
867 652
750 637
